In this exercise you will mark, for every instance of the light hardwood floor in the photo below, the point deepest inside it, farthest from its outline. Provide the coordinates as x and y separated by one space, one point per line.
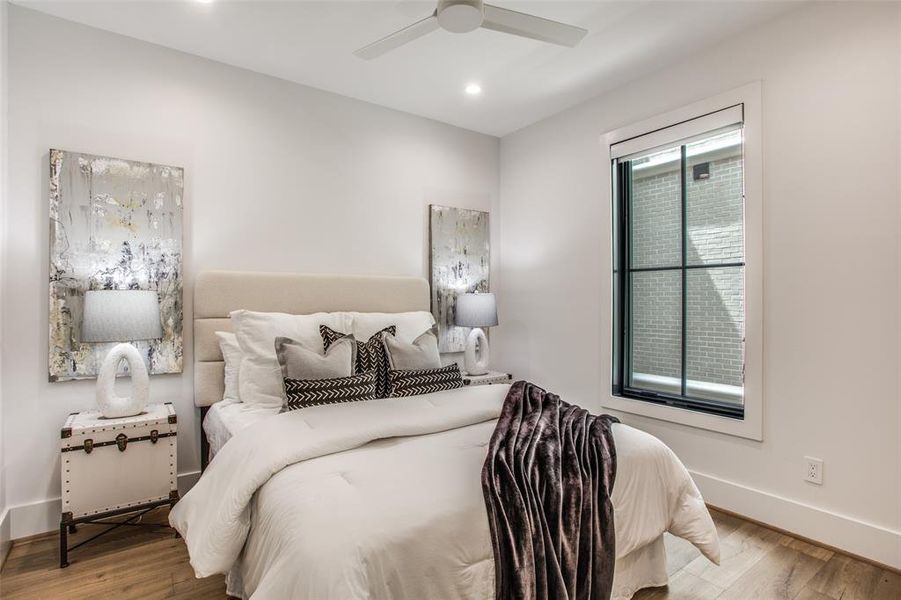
758 563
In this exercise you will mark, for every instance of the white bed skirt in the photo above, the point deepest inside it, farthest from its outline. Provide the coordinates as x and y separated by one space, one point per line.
639 569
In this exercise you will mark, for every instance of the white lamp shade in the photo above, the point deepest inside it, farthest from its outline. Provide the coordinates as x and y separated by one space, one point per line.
121 316
475 310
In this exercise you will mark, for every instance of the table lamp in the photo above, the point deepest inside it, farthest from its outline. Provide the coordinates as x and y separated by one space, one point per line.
121 316
476 311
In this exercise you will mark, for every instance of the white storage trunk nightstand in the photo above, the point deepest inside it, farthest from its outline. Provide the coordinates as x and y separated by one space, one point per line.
112 467
489 378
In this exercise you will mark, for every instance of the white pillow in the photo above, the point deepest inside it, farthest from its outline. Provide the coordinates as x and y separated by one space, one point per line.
260 376
231 354
410 325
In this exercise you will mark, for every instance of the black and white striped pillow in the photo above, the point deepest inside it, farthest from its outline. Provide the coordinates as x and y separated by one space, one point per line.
424 381
371 355
302 393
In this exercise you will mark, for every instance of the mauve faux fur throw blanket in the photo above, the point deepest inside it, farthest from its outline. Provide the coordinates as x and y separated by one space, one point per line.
547 482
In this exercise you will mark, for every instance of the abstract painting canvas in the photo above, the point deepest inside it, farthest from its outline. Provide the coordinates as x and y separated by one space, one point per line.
114 224
459 263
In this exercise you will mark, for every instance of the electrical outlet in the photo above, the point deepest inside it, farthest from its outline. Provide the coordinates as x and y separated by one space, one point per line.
813 471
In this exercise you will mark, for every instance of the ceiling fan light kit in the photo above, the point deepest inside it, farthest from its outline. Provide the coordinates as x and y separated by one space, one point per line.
460 16
463 16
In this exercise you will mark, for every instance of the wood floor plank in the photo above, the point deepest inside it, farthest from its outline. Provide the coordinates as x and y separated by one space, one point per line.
843 578
682 586
679 553
888 587
807 548
809 594
199 589
740 551
780 575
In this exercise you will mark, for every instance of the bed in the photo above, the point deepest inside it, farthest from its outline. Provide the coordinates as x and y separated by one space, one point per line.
366 513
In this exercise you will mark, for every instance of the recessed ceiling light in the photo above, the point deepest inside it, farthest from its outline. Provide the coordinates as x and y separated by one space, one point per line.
205 1
473 89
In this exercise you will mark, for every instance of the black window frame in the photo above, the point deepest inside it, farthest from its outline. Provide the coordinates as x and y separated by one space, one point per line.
622 301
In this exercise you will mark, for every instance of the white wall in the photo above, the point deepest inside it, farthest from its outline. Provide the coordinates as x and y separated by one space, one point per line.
831 104
278 177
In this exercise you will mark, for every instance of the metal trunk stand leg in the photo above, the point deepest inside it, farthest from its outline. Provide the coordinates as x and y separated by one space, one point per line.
63 545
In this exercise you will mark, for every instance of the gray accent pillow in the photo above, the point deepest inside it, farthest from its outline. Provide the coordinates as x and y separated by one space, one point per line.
421 354
298 362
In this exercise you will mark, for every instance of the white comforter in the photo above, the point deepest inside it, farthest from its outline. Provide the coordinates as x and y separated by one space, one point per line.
382 499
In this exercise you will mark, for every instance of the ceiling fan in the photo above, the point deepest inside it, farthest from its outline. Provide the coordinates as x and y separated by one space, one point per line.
463 16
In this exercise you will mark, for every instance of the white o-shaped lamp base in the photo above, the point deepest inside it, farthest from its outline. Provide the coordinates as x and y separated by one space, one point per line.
476 353
111 405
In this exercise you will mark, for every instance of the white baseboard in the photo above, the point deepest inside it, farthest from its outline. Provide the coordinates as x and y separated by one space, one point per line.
40 517
31 519
868 540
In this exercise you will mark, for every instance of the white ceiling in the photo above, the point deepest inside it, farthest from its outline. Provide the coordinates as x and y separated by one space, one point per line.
523 80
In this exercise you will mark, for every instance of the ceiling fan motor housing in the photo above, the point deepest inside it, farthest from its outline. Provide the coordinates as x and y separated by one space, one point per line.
460 16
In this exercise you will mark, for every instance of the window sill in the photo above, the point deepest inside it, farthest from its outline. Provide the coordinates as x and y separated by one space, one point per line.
699 389
751 427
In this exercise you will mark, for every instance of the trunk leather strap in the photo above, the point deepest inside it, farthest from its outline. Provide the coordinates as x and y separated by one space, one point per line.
121 441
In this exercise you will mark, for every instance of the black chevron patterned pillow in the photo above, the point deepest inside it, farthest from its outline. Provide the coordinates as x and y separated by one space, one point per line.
301 393
371 355
424 381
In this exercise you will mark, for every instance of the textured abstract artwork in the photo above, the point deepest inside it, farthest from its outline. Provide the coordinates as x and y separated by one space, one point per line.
459 263
114 224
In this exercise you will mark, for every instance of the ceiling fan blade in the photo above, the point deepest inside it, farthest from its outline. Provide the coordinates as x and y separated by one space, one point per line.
530 26
399 38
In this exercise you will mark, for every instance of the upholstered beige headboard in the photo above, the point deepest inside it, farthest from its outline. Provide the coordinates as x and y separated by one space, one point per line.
217 293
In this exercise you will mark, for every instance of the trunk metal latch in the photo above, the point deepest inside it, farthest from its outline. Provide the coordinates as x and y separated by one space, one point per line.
154 435
121 441
88 445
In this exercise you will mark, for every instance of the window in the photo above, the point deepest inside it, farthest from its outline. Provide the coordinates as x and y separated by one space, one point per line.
679 265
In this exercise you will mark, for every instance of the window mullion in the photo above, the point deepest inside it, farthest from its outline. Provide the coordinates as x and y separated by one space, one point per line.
684 189
627 276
